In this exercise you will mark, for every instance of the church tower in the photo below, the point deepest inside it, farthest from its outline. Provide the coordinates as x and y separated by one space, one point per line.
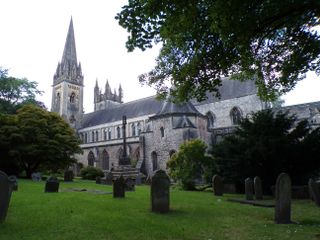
67 89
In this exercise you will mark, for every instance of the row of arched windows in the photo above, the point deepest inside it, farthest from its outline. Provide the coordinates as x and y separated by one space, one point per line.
235 117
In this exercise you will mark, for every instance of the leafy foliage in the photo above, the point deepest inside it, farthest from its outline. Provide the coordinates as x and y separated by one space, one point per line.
267 144
35 138
91 173
273 42
186 164
15 92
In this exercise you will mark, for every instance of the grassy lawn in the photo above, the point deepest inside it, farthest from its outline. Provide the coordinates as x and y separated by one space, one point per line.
34 214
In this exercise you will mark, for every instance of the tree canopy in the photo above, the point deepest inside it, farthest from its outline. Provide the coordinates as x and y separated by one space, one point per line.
273 42
266 144
15 92
36 139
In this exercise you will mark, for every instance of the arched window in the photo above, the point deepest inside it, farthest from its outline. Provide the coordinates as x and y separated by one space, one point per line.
162 131
90 159
133 129
154 158
118 132
211 120
72 97
120 153
85 138
109 134
105 134
92 136
235 115
139 128
97 136
105 160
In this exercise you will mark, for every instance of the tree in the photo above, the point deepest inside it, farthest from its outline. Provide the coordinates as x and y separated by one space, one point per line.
35 138
266 144
273 42
15 92
190 161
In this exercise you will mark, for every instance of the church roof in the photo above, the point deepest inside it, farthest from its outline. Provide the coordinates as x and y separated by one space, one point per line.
137 108
230 89
169 108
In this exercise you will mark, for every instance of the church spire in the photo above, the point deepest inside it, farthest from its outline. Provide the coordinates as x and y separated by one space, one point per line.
69 53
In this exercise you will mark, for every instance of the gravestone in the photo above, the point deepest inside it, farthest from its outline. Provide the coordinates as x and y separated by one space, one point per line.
52 185
129 184
141 178
5 194
314 189
283 199
36 176
217 185
68 176
119 188
160 192
109 178
257 184
13 182
98 180
248 188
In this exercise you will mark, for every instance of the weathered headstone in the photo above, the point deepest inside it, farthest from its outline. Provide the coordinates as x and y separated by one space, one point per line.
36 176
109 178
52 185
119 188
314 189
248 188
68 176
283 199
140 179
160 192
13 182
257 184
129 184
5 194
217 185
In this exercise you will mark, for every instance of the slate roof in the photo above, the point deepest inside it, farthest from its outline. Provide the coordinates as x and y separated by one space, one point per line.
230 89
170 108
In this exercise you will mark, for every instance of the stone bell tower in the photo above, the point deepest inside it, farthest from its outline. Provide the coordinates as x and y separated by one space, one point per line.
67 89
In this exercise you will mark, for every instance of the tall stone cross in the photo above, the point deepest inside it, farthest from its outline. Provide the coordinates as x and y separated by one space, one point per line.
124 159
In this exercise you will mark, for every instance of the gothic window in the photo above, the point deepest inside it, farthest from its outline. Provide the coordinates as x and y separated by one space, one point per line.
235 115
109 134
210 119
162 132
72 97
133 130
105 134
154 158
85 138
120 153
92 136
118 132
97 136
139 128
90 159
105 160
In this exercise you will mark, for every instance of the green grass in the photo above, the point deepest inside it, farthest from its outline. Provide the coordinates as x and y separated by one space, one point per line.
34 214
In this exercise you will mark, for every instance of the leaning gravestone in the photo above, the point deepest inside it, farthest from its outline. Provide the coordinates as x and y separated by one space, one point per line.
248 188
52 185
119 187
314 189
217 185
257 188
160 192
5 194
13 182
283 199
68 176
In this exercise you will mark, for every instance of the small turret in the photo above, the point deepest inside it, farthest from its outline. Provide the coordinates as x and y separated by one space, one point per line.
120 94
96 92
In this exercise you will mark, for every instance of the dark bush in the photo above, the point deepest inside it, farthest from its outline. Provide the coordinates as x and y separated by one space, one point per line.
91 173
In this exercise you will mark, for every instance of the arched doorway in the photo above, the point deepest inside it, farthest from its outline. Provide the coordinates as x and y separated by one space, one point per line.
154 158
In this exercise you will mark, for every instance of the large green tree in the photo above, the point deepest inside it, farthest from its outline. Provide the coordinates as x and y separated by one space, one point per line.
266 144
15 92
36 139
271 41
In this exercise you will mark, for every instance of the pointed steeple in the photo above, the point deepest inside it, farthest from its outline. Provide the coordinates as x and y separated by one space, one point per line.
69 52
120 94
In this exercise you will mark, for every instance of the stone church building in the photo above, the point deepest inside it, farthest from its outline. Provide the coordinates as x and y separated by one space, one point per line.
155 129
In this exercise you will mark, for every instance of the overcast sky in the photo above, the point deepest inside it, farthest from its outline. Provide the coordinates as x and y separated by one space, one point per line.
33 35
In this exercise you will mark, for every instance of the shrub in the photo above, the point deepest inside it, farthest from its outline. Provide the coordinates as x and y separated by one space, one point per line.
91 173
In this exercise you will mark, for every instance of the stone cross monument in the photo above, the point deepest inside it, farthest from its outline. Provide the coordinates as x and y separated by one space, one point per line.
124 159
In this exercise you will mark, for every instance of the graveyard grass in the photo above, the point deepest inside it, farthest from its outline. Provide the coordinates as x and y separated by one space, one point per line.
34 214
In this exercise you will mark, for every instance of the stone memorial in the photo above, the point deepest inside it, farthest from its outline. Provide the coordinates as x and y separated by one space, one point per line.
36 176
5 194
119 187
217 185
52 185
13 182
283 199
160 192
68 176
248 188
257 184
314 189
